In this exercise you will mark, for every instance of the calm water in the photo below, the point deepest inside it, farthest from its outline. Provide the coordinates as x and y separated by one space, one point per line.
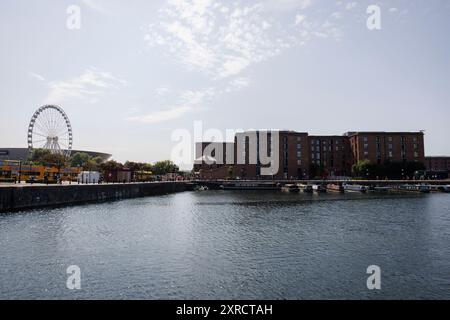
231 245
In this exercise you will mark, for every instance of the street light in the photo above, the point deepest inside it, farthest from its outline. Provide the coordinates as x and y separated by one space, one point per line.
20 170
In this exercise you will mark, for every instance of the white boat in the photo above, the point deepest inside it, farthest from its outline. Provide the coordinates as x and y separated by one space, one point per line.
319 188
355 188
306 188
381 189
413 188
290 188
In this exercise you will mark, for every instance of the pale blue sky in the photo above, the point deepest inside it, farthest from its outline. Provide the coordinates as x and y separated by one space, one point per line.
137 70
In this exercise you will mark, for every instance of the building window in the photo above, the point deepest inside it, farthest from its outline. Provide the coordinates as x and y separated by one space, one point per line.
299 162
312 155
390 154
416 154
299 154
390 139
365 139
366 146
299 146
390 146
318 155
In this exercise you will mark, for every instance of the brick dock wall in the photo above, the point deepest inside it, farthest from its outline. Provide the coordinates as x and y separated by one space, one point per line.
29 197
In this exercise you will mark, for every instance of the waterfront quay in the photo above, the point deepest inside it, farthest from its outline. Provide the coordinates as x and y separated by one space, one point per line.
21 196
15 197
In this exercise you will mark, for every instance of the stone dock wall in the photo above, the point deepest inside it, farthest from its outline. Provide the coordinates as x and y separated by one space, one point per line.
15 198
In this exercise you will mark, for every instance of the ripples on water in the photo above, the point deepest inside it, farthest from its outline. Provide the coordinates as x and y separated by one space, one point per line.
231 245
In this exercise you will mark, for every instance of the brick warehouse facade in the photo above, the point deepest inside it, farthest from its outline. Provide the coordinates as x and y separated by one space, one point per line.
302 156
437 163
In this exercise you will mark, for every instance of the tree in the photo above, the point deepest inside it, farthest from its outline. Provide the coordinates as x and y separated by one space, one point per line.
37 156
111 165
388 169
164 167
230 172
316 170
365 169
79 159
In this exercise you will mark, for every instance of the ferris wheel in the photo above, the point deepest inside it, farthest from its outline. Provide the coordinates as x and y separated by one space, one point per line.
50 129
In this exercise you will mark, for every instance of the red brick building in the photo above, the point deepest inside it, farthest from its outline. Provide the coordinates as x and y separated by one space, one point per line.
301 156
378 147
331 155
438 163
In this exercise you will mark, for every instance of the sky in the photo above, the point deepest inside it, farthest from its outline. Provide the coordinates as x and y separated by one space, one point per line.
136 71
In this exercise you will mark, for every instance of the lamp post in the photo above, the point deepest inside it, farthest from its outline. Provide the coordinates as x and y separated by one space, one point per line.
20 170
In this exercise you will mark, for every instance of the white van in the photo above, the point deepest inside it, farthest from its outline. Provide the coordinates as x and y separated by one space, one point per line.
88 177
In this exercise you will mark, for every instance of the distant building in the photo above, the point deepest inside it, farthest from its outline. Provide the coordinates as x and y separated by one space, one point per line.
302 156
22 154
438 163
379 147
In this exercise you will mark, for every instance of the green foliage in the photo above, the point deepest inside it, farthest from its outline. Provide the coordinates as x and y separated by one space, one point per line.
37 155
88 163
230 172
388 169
79 159
46 158
165 167
316 170
111 165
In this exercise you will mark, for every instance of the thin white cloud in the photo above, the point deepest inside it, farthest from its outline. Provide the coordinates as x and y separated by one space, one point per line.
161 116
336 15
350 5
189 101
96 5
36 76
220 40
299 18
224 39
285 5
88 86
162 91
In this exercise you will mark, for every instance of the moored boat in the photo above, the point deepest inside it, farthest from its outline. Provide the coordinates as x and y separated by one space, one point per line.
306 188
355 188
319 188
335 187
251 186
290 188
380 189
413 188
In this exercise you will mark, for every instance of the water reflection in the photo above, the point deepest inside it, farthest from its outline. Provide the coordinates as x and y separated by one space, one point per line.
226 244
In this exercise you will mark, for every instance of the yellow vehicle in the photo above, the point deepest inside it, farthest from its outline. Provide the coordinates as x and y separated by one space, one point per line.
11 170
